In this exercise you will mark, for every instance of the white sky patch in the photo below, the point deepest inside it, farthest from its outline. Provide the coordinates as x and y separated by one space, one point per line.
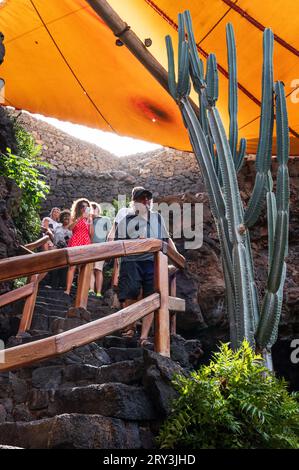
120 146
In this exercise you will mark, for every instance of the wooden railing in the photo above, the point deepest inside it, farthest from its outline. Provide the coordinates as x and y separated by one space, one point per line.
28 291
38 264
37 244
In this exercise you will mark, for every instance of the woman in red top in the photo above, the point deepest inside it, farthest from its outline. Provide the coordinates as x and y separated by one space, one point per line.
82 228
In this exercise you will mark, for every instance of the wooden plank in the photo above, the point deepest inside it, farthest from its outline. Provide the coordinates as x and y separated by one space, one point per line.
20 356
30 353
107 250
105 326
176 304
172 270
95 252
41 276
29 305
29 252
176 258
162 333
26 265
173 294
83 285
19 266
115 274
146 245
16 294
38 243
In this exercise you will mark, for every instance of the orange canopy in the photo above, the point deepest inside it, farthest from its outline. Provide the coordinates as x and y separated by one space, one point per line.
61 61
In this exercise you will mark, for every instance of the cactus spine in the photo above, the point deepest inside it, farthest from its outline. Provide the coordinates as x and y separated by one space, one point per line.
249 319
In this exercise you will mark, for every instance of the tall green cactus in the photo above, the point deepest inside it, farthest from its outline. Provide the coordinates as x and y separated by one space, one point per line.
248 317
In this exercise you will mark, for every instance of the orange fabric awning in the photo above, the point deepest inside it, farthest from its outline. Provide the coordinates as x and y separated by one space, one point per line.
61 61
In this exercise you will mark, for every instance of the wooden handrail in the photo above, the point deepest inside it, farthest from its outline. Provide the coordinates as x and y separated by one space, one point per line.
17 294
175 256
26 250
30 353
36 265
38 243
27 265
114 249
176 304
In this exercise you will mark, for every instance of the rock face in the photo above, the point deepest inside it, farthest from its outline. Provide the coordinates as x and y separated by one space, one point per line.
7 138
10 196
9 241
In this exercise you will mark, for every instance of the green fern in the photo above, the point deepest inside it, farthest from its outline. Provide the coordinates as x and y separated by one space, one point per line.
234 402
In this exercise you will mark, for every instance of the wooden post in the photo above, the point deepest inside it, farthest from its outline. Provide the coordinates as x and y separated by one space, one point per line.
173 314
29 305
83 285
115 274
162 334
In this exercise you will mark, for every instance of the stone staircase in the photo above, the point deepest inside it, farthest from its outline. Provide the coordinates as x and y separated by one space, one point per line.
109 394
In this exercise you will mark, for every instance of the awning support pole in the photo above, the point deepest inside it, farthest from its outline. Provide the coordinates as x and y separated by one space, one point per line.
133 43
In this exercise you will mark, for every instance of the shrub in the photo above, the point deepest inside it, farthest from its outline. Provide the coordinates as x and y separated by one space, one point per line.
234 402
24 169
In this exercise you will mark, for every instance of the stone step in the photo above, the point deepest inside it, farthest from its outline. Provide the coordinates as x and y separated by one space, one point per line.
53 377
117 341
64 303
116 400
39 333
43 322
49 310
55 293
77 431
35 401
52 300
124 354
91 354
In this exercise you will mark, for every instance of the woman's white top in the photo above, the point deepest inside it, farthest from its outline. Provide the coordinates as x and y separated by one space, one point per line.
53 225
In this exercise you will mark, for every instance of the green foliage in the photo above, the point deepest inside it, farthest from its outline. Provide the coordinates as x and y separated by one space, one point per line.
117 205
20 282
24 169
234 402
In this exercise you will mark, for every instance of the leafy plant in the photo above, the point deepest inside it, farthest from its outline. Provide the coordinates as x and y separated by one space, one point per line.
24 169
234 402
20 282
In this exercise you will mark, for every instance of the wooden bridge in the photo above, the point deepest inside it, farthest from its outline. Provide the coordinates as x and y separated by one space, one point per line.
35 266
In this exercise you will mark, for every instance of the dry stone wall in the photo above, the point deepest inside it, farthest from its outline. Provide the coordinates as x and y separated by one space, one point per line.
80 169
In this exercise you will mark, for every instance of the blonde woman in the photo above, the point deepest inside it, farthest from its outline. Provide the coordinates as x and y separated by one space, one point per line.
49 225
82 228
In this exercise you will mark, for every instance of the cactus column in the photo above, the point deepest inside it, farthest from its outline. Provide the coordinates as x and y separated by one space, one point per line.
220 160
